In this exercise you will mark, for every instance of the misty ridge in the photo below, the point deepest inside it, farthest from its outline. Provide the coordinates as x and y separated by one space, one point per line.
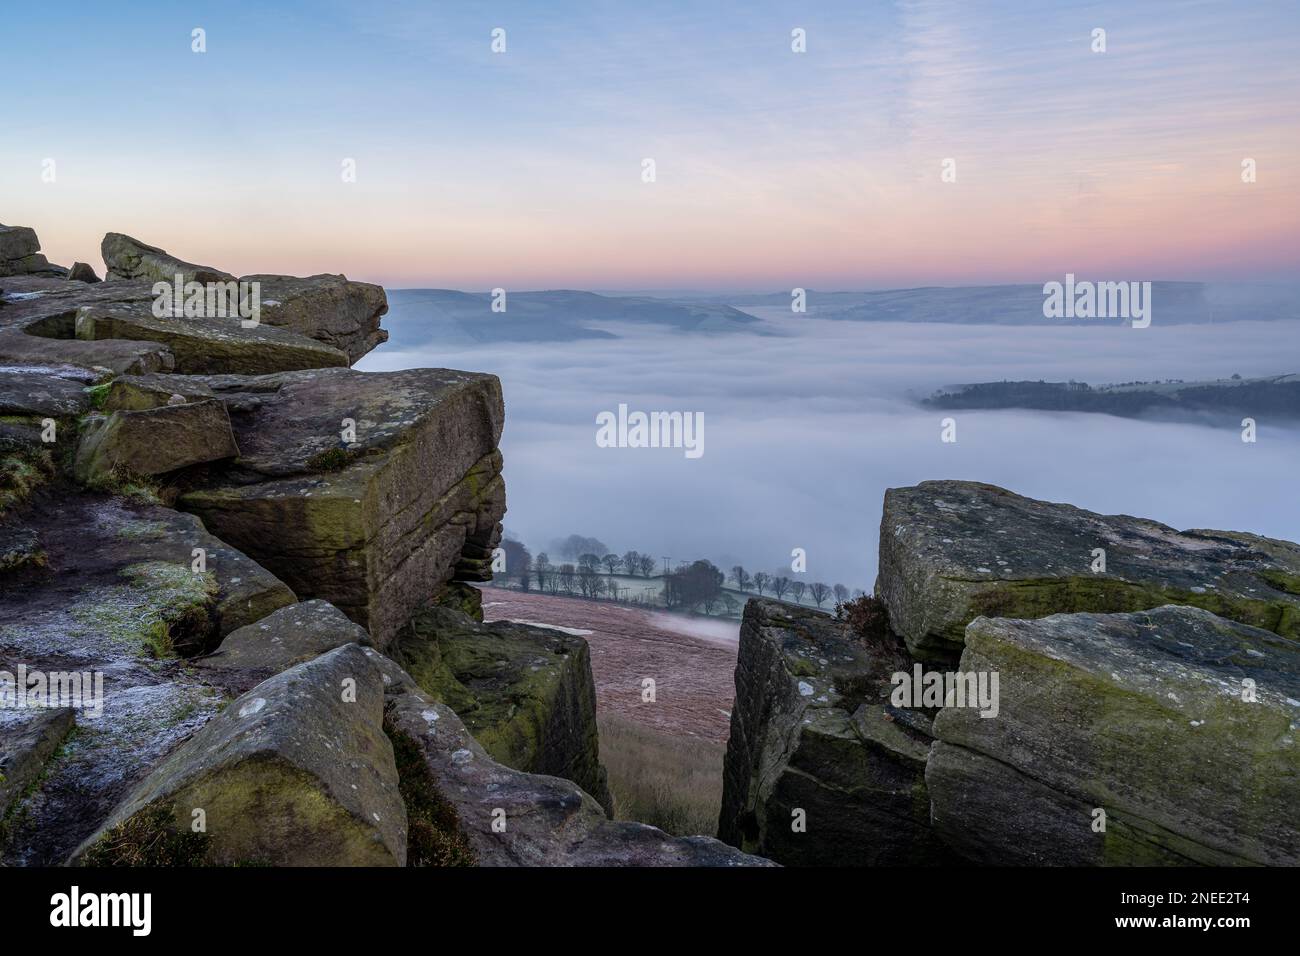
446 315
811 416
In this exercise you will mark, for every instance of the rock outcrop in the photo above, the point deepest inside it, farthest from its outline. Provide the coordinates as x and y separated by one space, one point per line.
1153 735
127 258
525 693
374 524
222 718
951 551
20 254
820 768
1164 737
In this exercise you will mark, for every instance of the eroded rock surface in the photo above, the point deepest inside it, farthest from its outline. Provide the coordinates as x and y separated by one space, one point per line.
815 742
1179 725
525 693
951 551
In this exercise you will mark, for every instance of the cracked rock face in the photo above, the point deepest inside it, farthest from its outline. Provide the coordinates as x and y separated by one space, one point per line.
951 551
374 525
1181 726
813 732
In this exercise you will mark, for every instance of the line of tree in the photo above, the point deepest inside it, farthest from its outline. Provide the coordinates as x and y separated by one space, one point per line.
691 585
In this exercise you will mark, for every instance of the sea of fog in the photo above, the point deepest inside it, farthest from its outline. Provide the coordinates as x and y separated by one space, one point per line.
805 429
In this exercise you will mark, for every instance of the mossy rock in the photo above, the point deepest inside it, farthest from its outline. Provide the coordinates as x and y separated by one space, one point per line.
951 551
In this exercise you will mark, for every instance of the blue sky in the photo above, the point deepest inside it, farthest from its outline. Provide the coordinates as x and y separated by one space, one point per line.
773 168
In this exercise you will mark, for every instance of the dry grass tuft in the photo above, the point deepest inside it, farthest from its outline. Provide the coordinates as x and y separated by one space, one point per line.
674 783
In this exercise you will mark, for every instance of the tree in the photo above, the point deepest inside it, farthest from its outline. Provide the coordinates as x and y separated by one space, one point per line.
612 563
575 545
761 580
797 588
741 577
819 592
693 584
543 570
841 593
518 560
567 575
632 562
780 584
589 562
647 565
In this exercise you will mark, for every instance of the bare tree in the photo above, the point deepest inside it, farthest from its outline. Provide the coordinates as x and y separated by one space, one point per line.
780 585
543 571
841 593
612 563
761 580
647 565
632 562
819 592
797 588
741 577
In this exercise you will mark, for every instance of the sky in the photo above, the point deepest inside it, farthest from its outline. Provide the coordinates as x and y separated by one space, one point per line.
773 169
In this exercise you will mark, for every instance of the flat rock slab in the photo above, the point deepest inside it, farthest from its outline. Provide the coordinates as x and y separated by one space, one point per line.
376 526
284 638
28 738
297 772
525 693
951 551
209 346
548 821
812 731
1179 725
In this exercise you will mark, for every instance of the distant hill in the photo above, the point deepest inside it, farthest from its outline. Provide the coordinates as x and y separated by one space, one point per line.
1175 303
1277 396
418 316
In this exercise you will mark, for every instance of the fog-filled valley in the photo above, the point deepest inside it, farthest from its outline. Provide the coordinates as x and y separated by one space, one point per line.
807 420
